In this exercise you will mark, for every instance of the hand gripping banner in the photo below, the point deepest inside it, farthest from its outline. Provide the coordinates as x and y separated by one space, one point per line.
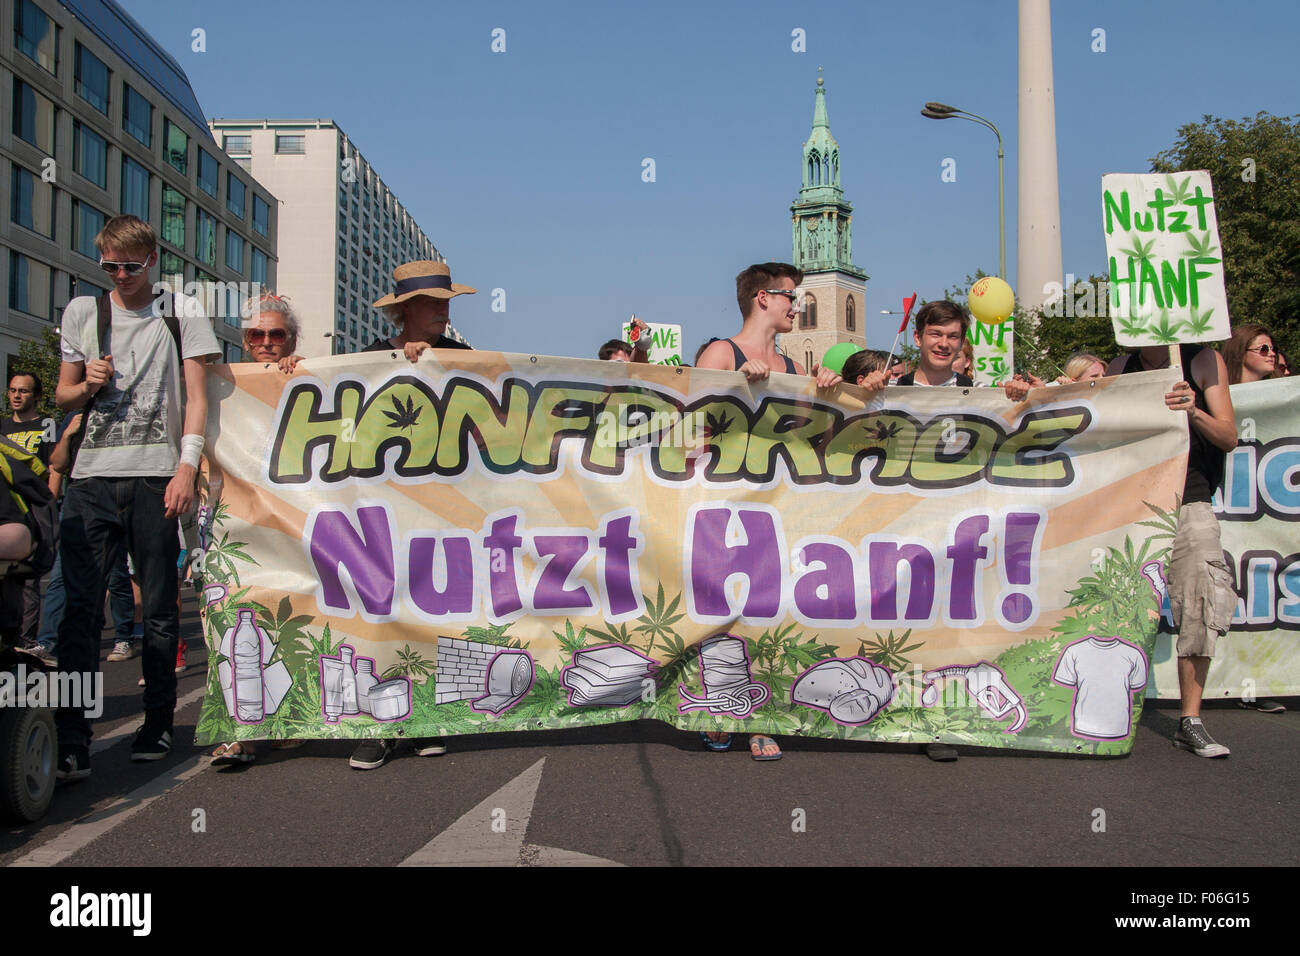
482 541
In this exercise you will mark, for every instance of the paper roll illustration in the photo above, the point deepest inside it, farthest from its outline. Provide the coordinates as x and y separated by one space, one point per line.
728 688
509 677
986 683
851 690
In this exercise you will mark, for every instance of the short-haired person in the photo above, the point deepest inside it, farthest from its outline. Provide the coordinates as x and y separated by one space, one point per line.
617 350
1201 595
420 307
271 331
134 473
26 428
766 294
867 368
1250 355
940 334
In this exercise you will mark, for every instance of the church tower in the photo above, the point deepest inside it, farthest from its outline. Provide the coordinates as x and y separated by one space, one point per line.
834 288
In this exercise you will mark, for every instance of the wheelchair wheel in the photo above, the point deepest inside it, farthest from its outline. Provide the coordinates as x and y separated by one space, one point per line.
28 755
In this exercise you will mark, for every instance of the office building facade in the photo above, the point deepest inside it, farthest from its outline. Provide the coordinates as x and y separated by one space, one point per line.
342 230
105 122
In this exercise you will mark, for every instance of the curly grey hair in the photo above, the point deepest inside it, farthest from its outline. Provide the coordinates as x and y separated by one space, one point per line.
270 302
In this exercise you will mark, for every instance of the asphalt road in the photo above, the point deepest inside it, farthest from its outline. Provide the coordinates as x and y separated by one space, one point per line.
642 794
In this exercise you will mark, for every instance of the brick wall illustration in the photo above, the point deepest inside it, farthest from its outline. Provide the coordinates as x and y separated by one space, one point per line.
462 669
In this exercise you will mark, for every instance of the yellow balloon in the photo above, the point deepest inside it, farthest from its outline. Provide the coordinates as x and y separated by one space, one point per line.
991 300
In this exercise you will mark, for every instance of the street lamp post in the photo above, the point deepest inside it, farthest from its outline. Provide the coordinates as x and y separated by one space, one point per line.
943 111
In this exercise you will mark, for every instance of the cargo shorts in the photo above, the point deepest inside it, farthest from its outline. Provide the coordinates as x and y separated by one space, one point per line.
1201 596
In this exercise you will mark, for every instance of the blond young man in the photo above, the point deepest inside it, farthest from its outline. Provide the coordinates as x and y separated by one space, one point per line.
134 473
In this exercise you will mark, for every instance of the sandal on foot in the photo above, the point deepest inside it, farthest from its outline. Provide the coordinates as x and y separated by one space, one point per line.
1263 706
760 748
233 753
717 746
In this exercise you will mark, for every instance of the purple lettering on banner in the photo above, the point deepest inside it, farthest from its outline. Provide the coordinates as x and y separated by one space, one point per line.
566 551
966 555
367 556
836 576
713 561
458 596
883 559
503 585
1018 553
617 545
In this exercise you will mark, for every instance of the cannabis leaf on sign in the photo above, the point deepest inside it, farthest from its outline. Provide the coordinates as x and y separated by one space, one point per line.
405 416
1202 248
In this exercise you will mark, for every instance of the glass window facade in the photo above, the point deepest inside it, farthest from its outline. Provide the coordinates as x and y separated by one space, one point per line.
33 117
173 217
176 147
208 173
137 116
31 201
31 286
261 215
234 195
257 270
86 223
170 264
90 155
91 79
36 36
135 189
234 252
237 145
205 238
296 144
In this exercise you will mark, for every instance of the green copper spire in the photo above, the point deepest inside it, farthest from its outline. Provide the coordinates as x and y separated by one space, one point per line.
823 239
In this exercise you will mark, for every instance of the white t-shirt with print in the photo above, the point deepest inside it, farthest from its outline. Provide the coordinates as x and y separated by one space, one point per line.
134 423
1104 674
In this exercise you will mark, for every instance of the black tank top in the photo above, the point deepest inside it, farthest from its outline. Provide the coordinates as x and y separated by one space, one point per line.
738 357
1205 461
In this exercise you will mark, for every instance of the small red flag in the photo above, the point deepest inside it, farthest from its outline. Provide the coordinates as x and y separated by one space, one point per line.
908 302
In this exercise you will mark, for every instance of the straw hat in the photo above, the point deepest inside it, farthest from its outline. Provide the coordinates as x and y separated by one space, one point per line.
423 278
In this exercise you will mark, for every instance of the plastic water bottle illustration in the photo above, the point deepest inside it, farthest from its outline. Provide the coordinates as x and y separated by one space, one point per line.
247 656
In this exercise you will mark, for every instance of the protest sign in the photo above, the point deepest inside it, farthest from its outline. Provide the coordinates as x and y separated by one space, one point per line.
994 352
481 541
665 342
1166 266
1259 520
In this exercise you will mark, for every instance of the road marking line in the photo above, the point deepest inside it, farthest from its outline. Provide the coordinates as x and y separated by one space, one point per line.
471 841
88 829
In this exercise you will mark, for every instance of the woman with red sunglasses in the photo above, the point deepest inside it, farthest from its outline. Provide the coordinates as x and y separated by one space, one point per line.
271 331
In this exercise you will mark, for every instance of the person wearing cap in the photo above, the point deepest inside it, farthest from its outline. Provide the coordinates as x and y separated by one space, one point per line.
420 307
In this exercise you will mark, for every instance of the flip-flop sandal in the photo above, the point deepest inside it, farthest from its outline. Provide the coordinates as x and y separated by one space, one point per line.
757 744
228 755
717 746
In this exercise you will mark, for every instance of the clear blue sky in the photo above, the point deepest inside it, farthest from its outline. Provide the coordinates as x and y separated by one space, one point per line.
524 167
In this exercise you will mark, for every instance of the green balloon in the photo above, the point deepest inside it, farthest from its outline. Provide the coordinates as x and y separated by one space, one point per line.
837 355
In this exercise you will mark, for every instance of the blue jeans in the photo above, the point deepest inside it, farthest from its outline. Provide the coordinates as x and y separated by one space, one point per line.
121 602
99 515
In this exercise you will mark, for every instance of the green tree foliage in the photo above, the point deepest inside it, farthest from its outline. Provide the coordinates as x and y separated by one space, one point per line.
42 358
1255 165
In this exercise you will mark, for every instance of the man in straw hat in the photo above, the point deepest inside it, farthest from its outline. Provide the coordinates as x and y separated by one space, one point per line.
420 307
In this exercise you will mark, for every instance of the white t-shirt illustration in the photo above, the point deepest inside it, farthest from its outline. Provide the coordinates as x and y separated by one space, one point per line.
134 423
1104 673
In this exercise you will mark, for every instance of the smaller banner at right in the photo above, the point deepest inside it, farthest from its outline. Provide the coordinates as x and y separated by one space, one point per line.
1259 517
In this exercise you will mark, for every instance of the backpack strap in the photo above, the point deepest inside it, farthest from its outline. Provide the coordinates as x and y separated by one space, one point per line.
104 320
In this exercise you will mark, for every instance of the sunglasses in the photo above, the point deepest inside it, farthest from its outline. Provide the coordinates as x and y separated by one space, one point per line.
274 336
132 268
790 294
1264 350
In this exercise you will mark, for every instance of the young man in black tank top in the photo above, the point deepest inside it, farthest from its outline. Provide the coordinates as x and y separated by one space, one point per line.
1200 585
766 296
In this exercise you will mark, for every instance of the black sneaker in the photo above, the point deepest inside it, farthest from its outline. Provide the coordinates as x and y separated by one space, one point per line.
153 741
429 746
371 754
74 763
1192 735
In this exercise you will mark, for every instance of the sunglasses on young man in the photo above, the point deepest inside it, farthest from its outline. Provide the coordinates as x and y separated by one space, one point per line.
274 336
132 268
